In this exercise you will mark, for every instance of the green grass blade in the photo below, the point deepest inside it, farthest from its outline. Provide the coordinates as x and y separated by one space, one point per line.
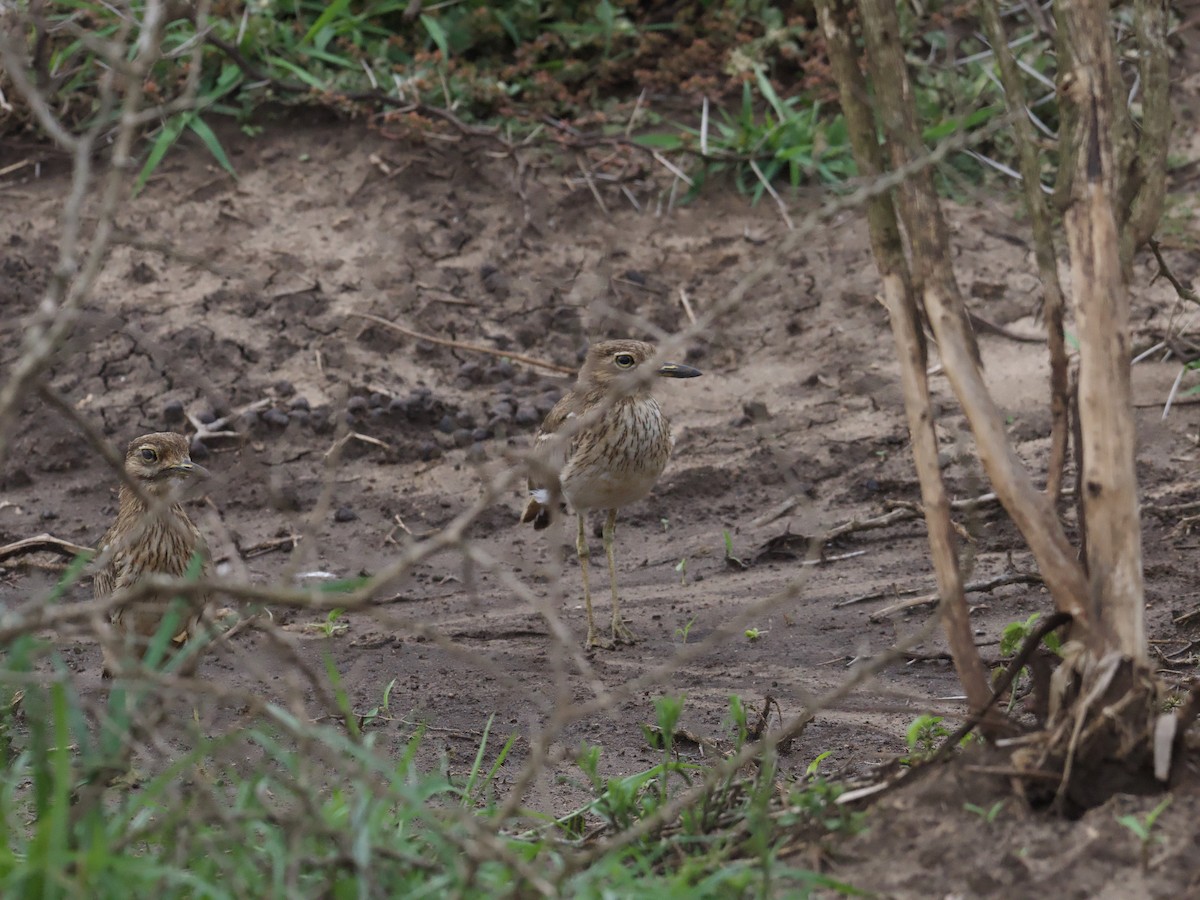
209 139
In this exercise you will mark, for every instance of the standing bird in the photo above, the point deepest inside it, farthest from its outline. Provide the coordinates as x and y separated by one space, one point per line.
155 538
613 459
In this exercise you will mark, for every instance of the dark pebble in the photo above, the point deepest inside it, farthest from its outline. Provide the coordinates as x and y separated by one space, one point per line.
525 377
421 393
320 423
48 515
300 403
871 484
198 449
300 416
206 416
635 276
463 436
344 514
275 417
250 419
173 411
477 453
429 450
284 388
505 369
464 419
487 270
501 412
378 399
377 412
356 404
397 406
755 411
504 387
480 434
528 415
471 371
446 425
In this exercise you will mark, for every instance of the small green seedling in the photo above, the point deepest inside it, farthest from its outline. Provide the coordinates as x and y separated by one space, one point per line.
923 737
681 568
730 559
378 713
1143 828
989 813
682 633
331 627
753 634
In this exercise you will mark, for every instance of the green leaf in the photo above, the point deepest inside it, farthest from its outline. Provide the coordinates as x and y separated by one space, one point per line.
332 11
165 140
660 141
311 80
438 34
201 130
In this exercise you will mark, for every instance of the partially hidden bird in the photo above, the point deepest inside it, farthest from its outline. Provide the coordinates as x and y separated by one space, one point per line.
603 446
154 537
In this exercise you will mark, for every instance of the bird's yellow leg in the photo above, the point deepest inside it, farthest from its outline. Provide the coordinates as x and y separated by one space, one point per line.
620 631
582 551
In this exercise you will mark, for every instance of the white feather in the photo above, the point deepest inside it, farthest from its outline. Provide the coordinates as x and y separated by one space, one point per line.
541 495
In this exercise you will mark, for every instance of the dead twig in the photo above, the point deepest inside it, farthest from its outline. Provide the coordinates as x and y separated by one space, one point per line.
462 345
43 543
976 587
1164 271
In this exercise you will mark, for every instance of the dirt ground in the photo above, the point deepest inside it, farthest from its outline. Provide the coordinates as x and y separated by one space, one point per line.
796 427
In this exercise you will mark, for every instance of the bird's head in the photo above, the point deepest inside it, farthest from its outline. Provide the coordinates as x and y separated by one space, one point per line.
161 465
609 361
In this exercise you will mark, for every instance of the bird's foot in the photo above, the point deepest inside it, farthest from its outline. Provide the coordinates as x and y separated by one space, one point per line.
621 633
594 641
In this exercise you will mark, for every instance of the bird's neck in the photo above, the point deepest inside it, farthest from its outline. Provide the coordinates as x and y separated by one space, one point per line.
133 505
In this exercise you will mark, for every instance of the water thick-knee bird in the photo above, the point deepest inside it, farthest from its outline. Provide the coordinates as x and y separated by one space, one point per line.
612 457
155 538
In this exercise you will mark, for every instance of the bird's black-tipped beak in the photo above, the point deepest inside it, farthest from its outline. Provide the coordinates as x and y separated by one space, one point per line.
675 370
191 469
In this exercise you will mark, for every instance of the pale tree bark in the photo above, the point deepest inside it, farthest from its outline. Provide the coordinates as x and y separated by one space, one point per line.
911 350
1031 511
1101 304
1043 241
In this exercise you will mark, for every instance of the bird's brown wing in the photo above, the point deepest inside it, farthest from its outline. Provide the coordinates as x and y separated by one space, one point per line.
546 462
104 580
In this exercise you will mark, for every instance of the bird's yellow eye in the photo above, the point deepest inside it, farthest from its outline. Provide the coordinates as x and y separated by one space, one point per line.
149 455
624 360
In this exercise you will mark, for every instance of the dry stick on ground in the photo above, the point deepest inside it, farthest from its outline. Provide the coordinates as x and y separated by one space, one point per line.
1030 510
42 543
1044 250
899 298
974 587
460 345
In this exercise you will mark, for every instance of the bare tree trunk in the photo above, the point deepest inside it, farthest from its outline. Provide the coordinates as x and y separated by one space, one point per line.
1031 511
1043 242
1101 303
911 350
